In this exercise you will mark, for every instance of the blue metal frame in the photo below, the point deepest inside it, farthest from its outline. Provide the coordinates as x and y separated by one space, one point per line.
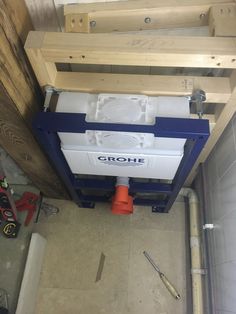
195 131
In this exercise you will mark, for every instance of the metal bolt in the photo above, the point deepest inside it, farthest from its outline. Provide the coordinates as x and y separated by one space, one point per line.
198 97
93 23
147 20
202 16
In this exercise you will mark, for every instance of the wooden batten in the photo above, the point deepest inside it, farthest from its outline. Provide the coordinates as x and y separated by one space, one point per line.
137 15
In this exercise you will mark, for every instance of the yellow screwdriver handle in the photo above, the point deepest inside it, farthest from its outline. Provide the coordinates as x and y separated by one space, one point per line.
169 286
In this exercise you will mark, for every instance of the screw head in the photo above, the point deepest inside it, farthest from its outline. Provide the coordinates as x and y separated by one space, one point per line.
156 209
92 23
147 20
202 16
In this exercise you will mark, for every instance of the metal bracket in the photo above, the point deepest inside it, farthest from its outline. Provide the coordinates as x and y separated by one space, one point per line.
49 91
157 209
198 97
208 226
201 271
87 205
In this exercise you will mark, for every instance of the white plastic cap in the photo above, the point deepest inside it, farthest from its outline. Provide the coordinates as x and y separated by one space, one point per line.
122 181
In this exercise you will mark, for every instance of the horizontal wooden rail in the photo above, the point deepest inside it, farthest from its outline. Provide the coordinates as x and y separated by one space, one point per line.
44 49
137 15
217 89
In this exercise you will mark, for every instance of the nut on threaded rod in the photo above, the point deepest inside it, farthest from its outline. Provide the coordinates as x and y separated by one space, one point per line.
198 97
93 23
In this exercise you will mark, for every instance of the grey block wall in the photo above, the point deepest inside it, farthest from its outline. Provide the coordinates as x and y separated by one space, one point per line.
220 209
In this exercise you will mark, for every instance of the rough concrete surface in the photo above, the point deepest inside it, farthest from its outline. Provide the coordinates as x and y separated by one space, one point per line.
77 237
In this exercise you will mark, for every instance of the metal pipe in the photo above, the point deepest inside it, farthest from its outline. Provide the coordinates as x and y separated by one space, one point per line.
196 264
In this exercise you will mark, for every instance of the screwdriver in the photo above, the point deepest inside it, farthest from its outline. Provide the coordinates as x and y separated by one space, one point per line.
166 282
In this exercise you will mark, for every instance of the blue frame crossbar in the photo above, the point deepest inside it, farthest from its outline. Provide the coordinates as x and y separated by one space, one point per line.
195 131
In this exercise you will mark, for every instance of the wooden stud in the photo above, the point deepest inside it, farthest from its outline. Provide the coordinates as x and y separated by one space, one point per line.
45 71
222 20
79 22
128 49
136 15
221 123
217 89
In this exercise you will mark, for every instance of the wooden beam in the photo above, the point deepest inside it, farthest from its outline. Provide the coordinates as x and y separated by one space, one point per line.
221 123
217 89
45 71
132 49
20 100
137 15
222 20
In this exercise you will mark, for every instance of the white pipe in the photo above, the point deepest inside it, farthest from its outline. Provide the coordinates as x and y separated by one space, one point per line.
196 268
122 181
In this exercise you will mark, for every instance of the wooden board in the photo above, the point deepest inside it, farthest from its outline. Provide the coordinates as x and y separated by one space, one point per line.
47 48
221 123
45 71
217 89
17 12
16 74
137 15
222 20
20 100
18 141
43 15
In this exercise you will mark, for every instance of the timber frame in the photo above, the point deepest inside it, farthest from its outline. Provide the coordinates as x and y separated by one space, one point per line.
46 49
138 15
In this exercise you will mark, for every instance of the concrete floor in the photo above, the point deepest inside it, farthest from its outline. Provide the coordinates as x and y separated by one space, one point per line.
13 254
76 237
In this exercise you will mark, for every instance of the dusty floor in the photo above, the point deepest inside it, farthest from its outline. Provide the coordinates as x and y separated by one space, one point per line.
13 254
76 237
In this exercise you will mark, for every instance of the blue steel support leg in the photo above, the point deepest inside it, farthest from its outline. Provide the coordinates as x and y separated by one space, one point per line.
192 151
